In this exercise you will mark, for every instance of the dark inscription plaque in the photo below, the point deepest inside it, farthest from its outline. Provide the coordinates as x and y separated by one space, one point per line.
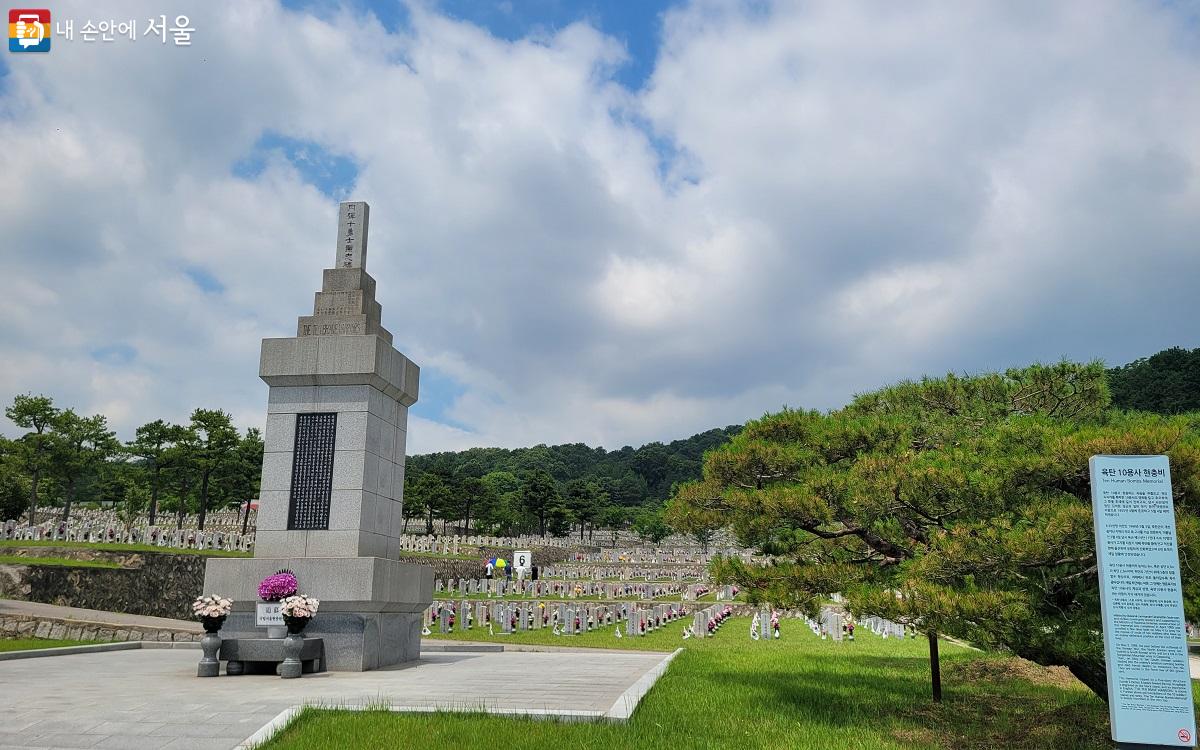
312 471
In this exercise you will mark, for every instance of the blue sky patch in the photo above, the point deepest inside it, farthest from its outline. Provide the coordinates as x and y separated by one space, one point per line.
332 173
439 391
393 14
114 354
204 280
635 23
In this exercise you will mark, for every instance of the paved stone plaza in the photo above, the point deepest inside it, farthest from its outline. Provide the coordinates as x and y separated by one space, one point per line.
153 699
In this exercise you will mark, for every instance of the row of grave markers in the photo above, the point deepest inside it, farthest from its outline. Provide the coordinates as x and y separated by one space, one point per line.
706 621
229 521
569 572
569 619
564 619
450 544
722 593
658 556
884 628
110 534
833 623
563 589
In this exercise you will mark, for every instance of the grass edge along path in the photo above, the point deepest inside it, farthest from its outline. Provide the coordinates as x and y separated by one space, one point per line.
30 644
118 547
798 692
55 561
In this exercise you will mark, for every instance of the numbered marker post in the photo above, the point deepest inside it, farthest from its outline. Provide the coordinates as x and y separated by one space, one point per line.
522 561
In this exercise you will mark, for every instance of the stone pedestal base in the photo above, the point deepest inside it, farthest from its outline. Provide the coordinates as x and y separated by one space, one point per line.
354 641
370 613
264 655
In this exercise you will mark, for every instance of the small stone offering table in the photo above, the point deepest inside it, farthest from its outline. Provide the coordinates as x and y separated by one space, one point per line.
263 655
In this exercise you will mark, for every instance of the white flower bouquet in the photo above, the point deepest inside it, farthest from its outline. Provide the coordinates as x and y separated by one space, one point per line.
297 610
212 610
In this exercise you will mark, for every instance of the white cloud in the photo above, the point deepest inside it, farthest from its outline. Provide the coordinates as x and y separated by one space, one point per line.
851 193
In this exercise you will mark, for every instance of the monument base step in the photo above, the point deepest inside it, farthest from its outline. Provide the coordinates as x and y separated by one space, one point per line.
353 641
370 613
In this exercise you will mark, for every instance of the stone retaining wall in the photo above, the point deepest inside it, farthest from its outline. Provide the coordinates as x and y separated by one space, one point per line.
153 584
442 568
83 554
163 584
29 626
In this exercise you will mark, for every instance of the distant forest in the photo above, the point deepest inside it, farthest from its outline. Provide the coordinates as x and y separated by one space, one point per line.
586 488
629 476
67 459
554 488
1166 383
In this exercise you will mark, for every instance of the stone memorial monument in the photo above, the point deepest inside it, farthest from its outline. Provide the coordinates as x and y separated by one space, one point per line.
333 474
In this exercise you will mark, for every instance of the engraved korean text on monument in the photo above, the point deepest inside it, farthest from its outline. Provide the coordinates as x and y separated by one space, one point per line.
312 472
353 218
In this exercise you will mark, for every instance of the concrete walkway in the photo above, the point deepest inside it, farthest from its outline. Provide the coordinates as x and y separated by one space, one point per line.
153 699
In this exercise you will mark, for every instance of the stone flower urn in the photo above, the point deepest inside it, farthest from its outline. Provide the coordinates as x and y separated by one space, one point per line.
292 667
212 624
210 646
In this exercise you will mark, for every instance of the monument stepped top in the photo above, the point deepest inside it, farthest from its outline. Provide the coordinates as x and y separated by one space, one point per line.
346 304
343 341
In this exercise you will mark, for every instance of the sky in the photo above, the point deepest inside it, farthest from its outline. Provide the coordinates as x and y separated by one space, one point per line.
599 222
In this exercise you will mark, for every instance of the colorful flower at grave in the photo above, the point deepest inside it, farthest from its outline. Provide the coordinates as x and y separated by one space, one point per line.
278 586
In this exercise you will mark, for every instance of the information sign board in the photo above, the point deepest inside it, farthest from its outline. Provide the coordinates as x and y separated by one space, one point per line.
1137 559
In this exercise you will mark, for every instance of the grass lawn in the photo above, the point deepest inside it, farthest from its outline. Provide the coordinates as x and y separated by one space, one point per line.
798 692
25 644
122 548
21 560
